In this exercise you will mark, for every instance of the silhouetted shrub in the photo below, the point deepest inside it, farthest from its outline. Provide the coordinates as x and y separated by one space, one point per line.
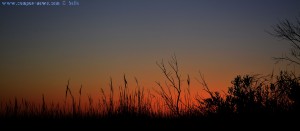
254 95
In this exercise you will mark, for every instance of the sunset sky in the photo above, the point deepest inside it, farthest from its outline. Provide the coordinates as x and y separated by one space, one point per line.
43 47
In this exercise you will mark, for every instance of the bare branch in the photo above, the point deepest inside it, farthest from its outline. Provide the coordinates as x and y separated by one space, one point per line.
289 31
174 79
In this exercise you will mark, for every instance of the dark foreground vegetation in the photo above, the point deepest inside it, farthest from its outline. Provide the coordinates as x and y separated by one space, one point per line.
252 101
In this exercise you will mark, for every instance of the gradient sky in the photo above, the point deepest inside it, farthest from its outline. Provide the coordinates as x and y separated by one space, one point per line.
42 47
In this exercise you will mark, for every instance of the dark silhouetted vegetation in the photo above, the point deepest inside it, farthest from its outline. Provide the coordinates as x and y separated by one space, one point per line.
250 98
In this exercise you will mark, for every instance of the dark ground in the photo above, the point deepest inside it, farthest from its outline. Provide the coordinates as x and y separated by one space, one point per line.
251 122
